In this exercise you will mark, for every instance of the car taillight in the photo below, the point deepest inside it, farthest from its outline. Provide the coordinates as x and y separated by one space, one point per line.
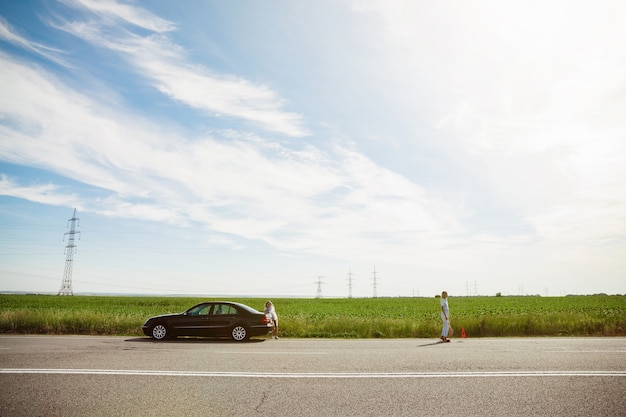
265 320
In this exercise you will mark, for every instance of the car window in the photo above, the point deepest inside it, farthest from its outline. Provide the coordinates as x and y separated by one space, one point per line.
200 310
224 309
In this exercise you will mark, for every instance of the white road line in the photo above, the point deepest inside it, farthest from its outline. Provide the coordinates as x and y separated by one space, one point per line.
619 350
269 352
331 375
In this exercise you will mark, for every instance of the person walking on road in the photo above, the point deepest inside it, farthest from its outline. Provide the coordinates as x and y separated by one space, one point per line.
445 316
271 312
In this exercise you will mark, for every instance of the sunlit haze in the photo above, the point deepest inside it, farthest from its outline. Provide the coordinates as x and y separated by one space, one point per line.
389 148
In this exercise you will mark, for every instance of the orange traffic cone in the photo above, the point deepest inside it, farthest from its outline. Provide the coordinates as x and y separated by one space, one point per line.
463 335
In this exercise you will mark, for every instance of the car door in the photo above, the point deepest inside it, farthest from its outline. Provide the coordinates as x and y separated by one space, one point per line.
195 322
221 319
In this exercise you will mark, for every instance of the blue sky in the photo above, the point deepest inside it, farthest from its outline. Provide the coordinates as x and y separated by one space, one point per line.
250 148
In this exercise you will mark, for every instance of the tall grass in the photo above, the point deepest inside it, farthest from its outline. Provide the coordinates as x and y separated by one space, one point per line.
479 316
339 318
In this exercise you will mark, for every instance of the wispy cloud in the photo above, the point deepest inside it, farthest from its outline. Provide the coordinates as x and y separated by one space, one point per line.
249 187
164 63
8 34
49 194
114 11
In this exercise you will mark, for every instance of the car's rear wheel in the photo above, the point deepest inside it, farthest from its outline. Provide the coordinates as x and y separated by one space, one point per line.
159 332
239 333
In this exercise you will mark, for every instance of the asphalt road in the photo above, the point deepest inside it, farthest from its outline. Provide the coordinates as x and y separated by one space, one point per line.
122 376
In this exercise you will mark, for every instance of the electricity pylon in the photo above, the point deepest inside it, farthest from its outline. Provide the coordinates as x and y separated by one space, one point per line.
350 283
70 250
375 284
319 283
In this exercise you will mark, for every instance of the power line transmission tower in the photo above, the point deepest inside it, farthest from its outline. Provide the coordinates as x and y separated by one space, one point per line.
374 283
319 283
350 283
70 250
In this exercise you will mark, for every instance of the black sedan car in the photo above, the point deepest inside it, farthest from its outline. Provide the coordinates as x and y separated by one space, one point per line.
210 319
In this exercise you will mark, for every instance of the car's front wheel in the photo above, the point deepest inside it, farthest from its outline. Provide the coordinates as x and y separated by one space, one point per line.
159 332
239 333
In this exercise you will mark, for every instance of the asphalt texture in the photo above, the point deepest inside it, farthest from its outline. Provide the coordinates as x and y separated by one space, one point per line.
125 376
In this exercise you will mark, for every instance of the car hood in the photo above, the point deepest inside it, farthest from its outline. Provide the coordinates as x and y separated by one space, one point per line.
165 316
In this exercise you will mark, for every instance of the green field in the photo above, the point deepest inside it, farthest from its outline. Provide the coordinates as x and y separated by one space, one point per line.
598 315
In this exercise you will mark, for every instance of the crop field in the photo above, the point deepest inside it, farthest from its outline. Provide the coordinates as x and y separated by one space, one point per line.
598 315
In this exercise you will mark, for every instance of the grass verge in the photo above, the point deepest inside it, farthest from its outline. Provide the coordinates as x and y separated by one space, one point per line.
599 315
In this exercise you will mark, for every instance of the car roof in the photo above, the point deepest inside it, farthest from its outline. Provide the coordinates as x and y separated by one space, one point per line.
240 305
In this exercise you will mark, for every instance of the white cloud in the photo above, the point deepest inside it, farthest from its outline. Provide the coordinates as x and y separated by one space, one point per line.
42 193
164 63
332 204
124 12
8 34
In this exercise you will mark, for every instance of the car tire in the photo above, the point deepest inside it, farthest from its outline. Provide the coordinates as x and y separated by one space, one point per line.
160 332
239 333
